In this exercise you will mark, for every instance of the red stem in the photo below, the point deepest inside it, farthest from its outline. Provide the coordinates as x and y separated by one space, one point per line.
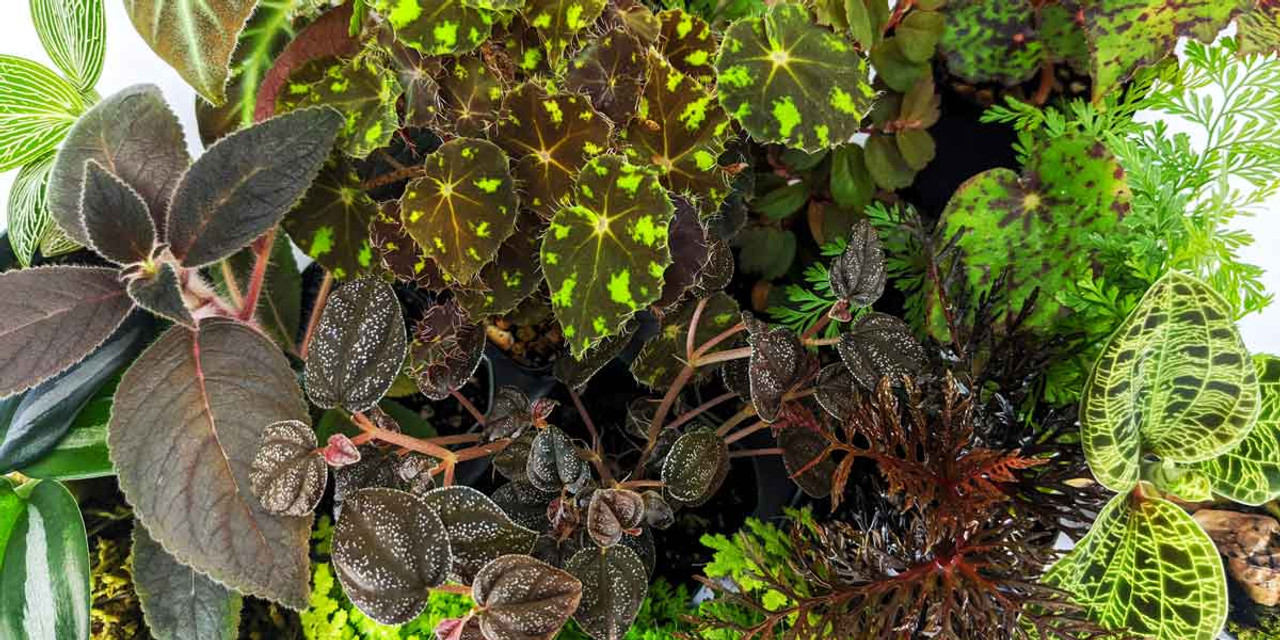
706 406
752 453
742 433
691 334
724 335
322 296
723 356
466 404
660 415
262 253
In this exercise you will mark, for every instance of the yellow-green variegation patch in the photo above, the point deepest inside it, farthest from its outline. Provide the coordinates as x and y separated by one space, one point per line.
689 44
471 94
364 90
331 224
604 255
559 21
436 27
1250 472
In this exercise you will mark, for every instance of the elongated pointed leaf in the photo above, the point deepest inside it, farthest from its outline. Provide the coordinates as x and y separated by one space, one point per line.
358 348
779 362
28 218
37 107
1249 473
161 294
857 275
193 408
81 453
179 602
68 311
522 598
74 34
479 531
134 135
116 219
614 586
196 37
44 563
1175 380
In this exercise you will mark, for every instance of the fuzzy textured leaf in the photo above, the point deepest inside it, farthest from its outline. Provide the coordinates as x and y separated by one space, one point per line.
196 37
614 586
37 107
359 346
1249 473
116 219
288 475
364 92
558 22
688 44
514 274
522 598
446 350
177 601
479 531
161 294
471 94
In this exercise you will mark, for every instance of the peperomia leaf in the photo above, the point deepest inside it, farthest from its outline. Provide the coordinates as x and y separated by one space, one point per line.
663 356
681 131
834 391
359 346
471 95
37 107
115 218
1249 473
194 407
559 21
178 601
614 586
800 447
44 562
196 37
611 71
513 275
779 362
463 207
389 548
436 27
1175 380
857 275
68 311
657 513
613 513
135 136
688 44
552 135
288 474
991 40
605 255
1127 34
331 223
1153 552
160 292
509 415
74 36
243 185
363 89
479 531
880 346
554 464
790 81
446 350
522 598
696 465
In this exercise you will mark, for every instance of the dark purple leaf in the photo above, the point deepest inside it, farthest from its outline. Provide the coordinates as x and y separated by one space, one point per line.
835 391
800 445
115 217
576 372
161 294
522 598
509 416
610 71
657 513
857 275
614 513
614 586
779 362
880 345
525 504
446 350
479 530
467 628
358 347
513 461
377 468
695 467
288 475
554 463
690 250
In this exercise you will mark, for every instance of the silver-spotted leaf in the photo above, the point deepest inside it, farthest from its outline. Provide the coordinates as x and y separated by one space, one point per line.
695 467
389 548
523 598
1166 566
790 81
196 37
1175 380
688 44
463 207
115 218
558 22
880 346
857 275
479 530
243 185
377 468
436 27
160 292
359 346
551 135
363 89
605 255
513 461
613 513
1249 473
134 135
991 41
288 474
663 356
835 391
331 223
779 362
193 407
471 94
554 464
177 601
509 415
446 350
67 311
610 71
657 513
614 586
800 447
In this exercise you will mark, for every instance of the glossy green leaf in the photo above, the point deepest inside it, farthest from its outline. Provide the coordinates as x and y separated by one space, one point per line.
1249 473
851 184
44 566
610 71
74 34
28 218
605 255
364 90
523 598
82 453
552 136
991 41
194 407
436 27
331 223
766 251
196 37
558 22
790 81
894 67
37 107
663 356
1175 380
1165 566
177 601
886 164
463 207
116 219
471 94
359 346
783 202
514 274
918 34
614 586
479 531
688 44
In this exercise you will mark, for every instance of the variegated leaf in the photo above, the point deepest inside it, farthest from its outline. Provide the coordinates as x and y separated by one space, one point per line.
28 212
559 21
37 107
363 89
196 37
688 44
1250 472
436 27
611 71
471 94
663 356
331 223
74 34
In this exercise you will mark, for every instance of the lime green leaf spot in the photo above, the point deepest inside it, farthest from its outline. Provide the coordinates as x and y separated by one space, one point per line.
619 291
488 185
788 117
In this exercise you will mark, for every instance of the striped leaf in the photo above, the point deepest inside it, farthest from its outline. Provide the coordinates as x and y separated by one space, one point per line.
1174 380
196 38
36 109
1250 473
44 563
74 34
28 210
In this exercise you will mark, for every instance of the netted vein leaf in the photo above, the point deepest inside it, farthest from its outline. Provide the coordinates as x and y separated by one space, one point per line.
37 107
1249 473
74 34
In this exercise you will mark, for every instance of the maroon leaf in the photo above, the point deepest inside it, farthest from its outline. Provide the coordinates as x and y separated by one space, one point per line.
522 598
161 294
478 529
778 363
52 317
467 628
690 251
695 467
509 415
610 71
359 346
613 513
657 513
614 585
878 346
329 35
287 473
857 275
800 446
446 350
554 463
115 217
835 391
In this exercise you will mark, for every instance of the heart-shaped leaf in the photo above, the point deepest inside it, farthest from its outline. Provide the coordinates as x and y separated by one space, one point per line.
688 44
463 208
779 362
135 136
522 598
559 21
835 391
436 27
613 513
376 469
389 548
479 531
38 107
341 451
793 82
696 465
551 136
73 34
989 40
514 274
857 275
116 219
605 255
800 446
363 89
194 407
471 95
1151 550
1250 472
554 464
446 350
614 586
610 71
1175 380
331 224
44 562
288 474
663 356
196 37
68 311
243 185
681 130
880 346
160 293
513 461
177 601
359 346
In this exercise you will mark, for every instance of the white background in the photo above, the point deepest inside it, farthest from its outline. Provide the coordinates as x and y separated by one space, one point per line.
130 61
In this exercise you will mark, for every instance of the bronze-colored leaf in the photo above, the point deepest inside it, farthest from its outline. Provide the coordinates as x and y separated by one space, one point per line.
288 475
835 392
161 294
800 446
479 531
446 350
522 598
657 513
695 467
115 217
554 463
613 513
358 348
779 362
857 275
